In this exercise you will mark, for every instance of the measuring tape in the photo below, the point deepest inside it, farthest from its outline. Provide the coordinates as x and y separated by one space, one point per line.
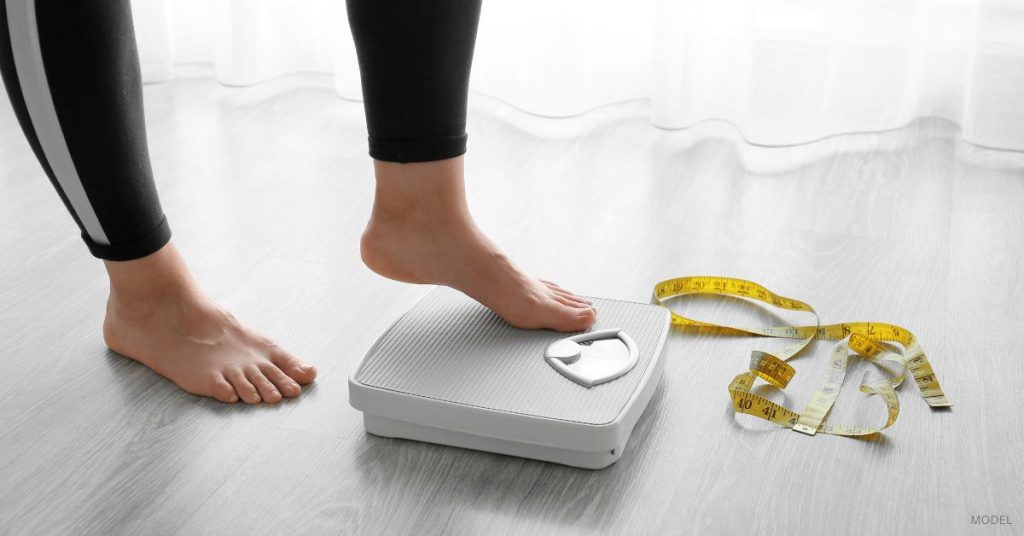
866 339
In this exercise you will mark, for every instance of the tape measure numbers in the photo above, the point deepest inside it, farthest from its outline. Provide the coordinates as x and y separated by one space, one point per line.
866 339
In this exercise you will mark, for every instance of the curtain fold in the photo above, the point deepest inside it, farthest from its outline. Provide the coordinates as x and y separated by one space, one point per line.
782 71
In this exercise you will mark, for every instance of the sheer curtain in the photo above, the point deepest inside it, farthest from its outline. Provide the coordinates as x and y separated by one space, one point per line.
782 71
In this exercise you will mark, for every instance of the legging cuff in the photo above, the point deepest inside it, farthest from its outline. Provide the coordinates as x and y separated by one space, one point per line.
428 150
136 248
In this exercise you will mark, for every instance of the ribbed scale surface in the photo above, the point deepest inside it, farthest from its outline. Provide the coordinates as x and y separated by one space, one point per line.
448 347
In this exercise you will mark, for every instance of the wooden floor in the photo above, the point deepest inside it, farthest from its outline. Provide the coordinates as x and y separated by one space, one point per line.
267 189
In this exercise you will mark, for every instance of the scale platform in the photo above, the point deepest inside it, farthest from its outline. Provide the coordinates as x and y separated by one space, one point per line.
450 371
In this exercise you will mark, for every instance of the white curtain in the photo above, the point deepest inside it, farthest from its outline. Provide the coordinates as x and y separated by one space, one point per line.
782 71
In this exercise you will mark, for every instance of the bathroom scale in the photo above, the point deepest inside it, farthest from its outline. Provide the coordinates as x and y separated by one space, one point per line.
450 371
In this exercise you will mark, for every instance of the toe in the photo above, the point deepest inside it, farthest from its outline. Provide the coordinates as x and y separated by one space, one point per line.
245 389
287 386
221 390
564 292
569 302
571 299
294 368
586 317
268 391
572 319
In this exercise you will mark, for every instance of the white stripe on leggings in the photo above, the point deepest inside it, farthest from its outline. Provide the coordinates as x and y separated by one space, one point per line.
28 61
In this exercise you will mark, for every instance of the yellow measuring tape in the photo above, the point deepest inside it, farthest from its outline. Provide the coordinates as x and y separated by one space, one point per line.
866 339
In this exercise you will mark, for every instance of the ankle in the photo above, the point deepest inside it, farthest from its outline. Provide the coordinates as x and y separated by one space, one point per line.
156 277
421 191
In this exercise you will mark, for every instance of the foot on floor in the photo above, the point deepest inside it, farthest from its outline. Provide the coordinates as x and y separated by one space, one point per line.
185 337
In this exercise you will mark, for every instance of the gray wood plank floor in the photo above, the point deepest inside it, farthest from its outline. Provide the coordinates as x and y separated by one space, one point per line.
267 189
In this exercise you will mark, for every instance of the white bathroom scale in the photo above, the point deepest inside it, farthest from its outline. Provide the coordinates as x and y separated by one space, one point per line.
450 371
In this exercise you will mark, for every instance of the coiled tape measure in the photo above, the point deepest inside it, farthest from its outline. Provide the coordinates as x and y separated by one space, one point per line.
867 339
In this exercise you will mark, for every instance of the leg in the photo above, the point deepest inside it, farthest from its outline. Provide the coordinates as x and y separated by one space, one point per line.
414 62
71 71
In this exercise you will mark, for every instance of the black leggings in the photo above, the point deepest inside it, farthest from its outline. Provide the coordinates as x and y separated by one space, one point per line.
71 71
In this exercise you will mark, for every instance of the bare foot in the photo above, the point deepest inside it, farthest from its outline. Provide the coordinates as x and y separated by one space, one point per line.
421 231
157 315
